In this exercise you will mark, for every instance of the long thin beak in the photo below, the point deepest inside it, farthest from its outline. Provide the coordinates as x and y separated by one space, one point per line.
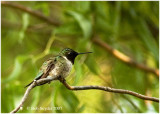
84 53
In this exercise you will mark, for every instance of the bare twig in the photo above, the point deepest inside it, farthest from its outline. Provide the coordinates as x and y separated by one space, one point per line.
124 58
24 97
34 84
108 89
32 12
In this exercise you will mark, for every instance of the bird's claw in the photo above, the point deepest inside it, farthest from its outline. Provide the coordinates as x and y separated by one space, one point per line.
36 82
60 78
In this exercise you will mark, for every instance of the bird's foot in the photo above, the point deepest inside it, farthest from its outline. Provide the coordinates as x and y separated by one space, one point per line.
36 82
49 77
61 79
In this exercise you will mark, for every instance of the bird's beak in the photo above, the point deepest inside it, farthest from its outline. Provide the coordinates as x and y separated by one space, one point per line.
84 53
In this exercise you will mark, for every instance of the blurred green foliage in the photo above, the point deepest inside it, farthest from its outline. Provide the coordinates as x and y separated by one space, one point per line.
27 41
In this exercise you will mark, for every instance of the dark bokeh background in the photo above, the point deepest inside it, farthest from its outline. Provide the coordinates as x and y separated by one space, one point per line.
27 41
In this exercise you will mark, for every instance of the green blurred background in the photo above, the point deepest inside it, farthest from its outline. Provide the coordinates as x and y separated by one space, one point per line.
27 41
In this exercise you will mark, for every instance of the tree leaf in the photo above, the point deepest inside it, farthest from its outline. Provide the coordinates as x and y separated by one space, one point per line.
17 68
83 22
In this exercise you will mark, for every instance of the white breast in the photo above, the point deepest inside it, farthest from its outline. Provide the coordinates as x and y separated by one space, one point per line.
67 67
63 68
68 61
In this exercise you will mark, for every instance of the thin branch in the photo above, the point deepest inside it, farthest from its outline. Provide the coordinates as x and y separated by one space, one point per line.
108 89
32 12
24 97
124 58
34 84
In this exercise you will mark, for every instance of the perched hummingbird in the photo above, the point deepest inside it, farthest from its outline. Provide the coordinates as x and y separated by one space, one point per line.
59 65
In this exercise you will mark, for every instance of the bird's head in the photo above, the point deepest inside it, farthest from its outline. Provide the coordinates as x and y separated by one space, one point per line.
71 54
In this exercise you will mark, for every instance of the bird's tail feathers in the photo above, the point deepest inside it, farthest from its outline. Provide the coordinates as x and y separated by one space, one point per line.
28 84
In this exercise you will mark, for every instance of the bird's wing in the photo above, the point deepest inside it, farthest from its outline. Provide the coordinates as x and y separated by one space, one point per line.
45 69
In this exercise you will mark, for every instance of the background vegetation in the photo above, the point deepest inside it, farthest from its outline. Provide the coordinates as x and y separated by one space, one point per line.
28 40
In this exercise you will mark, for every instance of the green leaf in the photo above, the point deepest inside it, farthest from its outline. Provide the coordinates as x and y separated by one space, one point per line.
17 68
25 20
55 95
79 72
69 29
92 65
82 6
84 23
43 6
81 109
70 100
36 97
149 39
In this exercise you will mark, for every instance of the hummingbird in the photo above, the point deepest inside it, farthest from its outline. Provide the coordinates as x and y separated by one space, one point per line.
60 65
